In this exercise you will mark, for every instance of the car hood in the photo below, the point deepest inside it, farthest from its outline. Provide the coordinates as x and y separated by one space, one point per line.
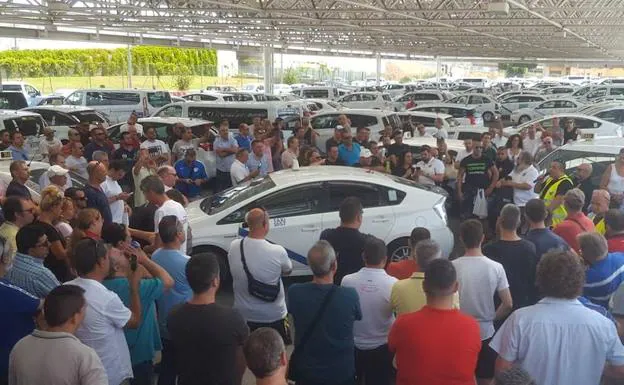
194 211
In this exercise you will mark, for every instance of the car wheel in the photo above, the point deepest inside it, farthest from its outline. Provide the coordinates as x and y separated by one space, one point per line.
524 119
221 255
488 117
398 250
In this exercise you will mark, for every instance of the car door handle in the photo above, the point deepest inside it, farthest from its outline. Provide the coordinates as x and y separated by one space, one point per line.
310 229
230 236
381 220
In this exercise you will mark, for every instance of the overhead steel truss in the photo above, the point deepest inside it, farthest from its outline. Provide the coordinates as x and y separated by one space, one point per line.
549 29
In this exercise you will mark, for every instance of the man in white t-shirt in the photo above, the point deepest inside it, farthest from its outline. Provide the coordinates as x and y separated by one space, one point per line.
76 162
267 263
479 279
532 142
373 360
430 170
106 316
114 193
157 149
441 132
523 180
132 125
50 144
239 172
154 191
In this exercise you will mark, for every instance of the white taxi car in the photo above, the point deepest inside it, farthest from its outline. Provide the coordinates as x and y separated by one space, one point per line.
302 203
484 104
590 126
373 100
553 106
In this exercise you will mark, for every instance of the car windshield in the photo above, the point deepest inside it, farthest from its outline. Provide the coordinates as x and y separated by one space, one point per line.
232 196
89 116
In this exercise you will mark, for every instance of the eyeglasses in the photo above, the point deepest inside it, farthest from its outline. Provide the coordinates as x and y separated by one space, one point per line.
478 147
30 210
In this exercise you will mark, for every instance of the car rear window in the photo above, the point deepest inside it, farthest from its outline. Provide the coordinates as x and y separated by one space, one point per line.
11 87
12 101
315 94
89 116
27 125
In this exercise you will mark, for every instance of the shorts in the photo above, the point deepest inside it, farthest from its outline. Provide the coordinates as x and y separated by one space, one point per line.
281 326
486 361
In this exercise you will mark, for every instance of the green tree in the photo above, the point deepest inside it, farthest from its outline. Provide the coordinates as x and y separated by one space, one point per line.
516 69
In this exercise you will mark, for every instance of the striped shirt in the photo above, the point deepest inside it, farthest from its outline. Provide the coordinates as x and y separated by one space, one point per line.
603 278
29 274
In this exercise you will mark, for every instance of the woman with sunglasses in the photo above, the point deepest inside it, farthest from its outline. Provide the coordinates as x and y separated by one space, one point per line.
51 208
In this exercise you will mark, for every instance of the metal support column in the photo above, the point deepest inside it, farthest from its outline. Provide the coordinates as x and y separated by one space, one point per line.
438 68
378 73
268 69
129 66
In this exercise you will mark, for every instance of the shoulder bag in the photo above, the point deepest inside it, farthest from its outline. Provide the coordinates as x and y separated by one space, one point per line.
262 291
293 365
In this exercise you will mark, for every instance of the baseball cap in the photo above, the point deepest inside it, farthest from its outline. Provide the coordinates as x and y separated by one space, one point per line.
365 153
57 170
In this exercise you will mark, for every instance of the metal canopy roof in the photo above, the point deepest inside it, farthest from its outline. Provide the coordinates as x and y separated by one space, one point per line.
533 29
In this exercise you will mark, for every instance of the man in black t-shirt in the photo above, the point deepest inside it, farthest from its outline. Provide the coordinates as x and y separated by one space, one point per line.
20 173
362 137
475 172
518 257
398 148
128 153
347 241
207 337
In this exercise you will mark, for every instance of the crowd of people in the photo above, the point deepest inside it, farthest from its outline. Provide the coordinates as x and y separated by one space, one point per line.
94 282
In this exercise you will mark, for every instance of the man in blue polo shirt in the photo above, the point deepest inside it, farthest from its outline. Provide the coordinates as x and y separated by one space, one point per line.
243 138
348 151
18 309
96 198
191 174
605 272
18 151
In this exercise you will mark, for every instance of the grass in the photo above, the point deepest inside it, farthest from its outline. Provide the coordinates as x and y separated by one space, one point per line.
47 85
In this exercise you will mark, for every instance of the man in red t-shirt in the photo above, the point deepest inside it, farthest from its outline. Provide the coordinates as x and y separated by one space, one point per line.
405 268
614 222
436 345
576 222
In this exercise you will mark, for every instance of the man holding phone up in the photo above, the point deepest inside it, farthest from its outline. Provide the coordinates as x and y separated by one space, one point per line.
430 170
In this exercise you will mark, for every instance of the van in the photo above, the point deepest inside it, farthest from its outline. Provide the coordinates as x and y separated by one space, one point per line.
476 82
325 122
117 105
329 93
235 113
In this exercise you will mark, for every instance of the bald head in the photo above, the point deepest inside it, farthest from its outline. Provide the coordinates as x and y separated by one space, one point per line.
257 220
600 201
97 172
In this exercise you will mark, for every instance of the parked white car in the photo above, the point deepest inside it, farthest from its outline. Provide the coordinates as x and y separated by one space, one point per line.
280 89
205 97
466 116
62 118
549 107
419 98
590 126
373 100
30 92
484 104
302 203
325 122
253 87
558 92
512 103
395 89
316 106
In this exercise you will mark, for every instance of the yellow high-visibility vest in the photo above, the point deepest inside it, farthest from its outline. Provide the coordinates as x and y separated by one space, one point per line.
559 213
600 227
